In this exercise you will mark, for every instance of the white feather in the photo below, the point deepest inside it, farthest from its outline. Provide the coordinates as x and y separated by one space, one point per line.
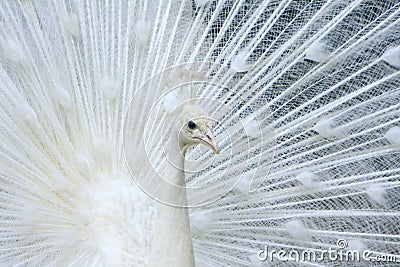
110 88
325 127
296 229
239 62
309 180
63 97
317 52
200 3
377 193
392 56
13 51
70 23
252 128
393 136
25 112
171 102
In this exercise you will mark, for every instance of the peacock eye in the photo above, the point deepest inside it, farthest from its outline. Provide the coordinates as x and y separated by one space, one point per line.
191 125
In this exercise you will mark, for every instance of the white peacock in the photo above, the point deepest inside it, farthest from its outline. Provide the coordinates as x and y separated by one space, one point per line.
302 98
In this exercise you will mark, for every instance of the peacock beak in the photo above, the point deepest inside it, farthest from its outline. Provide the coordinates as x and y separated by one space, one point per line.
209 140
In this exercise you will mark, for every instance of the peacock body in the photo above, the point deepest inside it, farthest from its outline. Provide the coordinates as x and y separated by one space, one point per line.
303 97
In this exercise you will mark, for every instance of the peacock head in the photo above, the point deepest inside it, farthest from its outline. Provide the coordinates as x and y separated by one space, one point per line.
196 129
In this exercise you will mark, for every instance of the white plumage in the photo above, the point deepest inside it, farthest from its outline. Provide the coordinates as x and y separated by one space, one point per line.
304 102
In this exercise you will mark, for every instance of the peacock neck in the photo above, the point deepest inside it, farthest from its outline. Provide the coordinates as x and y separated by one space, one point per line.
172 244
